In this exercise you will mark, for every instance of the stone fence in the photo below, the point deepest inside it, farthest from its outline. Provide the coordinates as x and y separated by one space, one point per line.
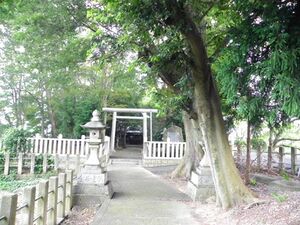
64 146
27 163
163 153
49 202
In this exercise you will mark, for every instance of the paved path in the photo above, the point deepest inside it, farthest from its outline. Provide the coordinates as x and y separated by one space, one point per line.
142 198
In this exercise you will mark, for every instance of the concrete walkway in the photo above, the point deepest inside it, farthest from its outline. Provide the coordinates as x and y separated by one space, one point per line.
142 198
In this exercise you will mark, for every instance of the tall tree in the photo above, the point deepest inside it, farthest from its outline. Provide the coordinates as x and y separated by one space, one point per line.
169 31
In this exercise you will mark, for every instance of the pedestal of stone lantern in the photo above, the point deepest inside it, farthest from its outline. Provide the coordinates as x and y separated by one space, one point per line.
93 186
201 185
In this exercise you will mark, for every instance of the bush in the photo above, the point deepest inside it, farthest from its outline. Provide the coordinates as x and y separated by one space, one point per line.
15 140
38 169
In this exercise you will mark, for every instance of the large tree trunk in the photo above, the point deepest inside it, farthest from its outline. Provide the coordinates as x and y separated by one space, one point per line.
193 151
230 189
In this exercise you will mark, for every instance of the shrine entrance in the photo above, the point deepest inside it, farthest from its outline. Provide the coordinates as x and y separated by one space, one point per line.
131 114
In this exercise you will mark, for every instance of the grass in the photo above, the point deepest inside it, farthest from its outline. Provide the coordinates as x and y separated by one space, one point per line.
13 181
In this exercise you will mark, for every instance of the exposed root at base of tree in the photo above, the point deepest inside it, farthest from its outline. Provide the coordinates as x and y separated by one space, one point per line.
256 203
182 170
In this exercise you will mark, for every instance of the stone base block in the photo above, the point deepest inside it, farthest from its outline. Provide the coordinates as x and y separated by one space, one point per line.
201 185
93 178
203 171
199 179
200 193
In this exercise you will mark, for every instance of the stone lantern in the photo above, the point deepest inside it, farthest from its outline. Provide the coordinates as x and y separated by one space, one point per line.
96 131
93 186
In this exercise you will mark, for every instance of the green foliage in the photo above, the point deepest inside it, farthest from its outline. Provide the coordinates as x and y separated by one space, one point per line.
253 182
38 169
257 72
258 143
15 140
12 182
240 142
279 197
284 175
2 159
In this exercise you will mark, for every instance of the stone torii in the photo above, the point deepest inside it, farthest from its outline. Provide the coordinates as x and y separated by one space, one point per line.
144 117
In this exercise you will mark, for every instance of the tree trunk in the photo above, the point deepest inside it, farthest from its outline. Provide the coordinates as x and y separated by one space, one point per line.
51 115
248 157
230 189
193 151
259 157
270 149
238 153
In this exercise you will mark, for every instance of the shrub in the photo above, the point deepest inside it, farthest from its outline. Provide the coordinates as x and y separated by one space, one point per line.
38 169
15 140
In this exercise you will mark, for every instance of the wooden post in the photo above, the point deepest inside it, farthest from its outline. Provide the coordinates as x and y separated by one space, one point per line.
20 163
8 209
113 131
32 163
293 160
61 198
59 150
145 135
45 162
29 200
280 163
69 187
82 143
36 143
52 200
6 164
42 202
151 127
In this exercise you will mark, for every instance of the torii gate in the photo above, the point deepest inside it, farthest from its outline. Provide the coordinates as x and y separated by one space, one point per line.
144 117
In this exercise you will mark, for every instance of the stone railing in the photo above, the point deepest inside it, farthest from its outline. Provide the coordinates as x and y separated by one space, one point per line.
64 146
47 203
161 153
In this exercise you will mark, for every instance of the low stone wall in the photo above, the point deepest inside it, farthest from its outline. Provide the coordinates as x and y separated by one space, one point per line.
160 162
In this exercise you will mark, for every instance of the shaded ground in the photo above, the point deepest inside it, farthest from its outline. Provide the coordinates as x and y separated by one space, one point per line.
142 198
132 152
280 208
80 216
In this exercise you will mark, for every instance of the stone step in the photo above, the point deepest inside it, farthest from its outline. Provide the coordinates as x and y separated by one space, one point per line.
127 162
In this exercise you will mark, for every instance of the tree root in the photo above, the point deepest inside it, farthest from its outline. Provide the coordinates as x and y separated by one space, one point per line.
255 203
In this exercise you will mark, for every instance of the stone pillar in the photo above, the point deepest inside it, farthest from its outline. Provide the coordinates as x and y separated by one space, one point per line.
113 131
145 135
201 185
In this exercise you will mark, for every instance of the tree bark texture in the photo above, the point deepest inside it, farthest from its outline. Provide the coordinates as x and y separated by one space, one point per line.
230 189
193 150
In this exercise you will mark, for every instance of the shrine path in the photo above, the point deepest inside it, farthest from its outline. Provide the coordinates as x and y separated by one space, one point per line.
142 198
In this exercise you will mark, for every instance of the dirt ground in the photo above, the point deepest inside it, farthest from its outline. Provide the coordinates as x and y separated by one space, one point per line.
80 216
279 208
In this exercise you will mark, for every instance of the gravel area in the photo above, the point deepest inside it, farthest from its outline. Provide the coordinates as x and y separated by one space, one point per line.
80 216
